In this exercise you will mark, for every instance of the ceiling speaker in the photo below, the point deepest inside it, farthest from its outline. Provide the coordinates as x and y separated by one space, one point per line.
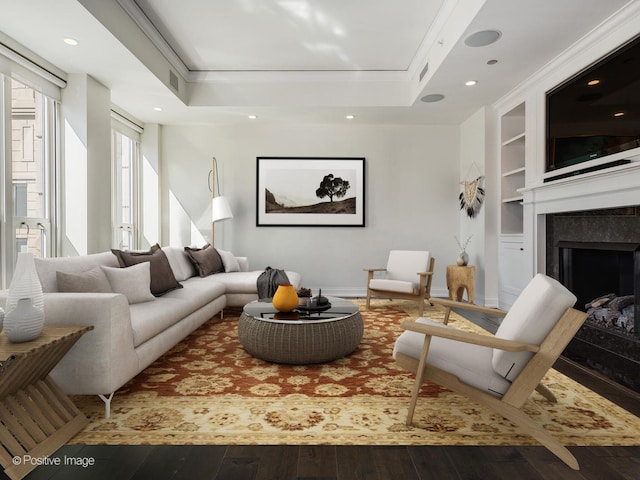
482 38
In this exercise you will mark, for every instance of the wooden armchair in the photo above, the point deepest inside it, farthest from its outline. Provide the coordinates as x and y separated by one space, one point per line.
408 276
501 371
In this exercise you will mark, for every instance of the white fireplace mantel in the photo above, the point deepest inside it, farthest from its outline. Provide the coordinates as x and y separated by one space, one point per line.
616 187
611 188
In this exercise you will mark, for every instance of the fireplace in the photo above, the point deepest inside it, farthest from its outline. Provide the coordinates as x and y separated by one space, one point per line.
601 273
596 254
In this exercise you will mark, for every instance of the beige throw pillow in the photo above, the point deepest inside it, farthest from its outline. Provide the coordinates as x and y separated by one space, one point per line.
229 261
133 282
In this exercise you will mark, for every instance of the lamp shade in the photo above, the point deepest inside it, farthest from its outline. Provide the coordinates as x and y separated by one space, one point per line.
220 209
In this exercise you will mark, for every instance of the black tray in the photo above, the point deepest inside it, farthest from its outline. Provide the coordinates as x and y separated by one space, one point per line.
314 309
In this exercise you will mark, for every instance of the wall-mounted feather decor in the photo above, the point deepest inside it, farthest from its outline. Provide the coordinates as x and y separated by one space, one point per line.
472 195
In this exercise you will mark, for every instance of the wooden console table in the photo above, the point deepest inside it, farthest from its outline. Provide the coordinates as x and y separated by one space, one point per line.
460 278
36 417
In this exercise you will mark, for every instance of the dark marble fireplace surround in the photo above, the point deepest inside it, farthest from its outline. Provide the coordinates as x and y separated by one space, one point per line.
611 353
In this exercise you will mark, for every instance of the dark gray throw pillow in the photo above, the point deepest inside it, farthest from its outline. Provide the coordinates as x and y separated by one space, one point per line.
206 260
162 278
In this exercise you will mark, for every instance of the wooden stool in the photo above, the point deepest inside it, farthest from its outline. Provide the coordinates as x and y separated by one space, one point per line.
36 417
459 279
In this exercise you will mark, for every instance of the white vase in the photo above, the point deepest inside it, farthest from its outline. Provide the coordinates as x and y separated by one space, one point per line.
463 259
24 317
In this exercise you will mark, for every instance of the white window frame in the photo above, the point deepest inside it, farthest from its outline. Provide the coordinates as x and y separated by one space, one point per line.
8 222
120 126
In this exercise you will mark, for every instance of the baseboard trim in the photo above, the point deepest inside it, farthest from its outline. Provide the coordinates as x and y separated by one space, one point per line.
350 292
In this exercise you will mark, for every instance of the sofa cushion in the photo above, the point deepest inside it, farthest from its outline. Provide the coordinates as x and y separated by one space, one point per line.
242 282
180 263
48 267
150 319
234 282
133 282
206 260
93 280
162 278
243 263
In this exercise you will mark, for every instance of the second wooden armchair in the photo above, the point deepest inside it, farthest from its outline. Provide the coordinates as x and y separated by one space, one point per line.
407 276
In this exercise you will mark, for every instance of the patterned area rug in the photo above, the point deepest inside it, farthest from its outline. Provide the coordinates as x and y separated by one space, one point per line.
208 390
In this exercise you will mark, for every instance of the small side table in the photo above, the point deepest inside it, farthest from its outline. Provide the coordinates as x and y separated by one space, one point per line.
36 417
460 278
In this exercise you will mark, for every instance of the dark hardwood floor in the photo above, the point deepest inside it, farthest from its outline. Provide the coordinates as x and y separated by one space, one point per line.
141 462
261 462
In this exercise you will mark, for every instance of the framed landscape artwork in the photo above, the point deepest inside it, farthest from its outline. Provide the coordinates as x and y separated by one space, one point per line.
310 191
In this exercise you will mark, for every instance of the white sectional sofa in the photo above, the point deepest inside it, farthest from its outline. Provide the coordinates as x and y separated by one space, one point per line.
127 338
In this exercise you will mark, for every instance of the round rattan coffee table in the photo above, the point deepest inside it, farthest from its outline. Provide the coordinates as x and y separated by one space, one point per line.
299 338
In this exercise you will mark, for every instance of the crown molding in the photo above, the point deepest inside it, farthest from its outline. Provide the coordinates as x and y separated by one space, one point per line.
138 16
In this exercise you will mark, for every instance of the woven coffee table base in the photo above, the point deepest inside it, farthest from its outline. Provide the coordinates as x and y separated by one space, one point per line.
300 343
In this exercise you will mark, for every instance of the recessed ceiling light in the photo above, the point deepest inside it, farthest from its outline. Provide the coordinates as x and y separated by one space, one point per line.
482 38
252 117
471 83
350 117
432 97
70 41
157 109
618 114
593 82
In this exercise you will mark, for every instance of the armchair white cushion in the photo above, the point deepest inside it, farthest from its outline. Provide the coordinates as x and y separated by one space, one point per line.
391 285
529 320
407 275
403 266
470 363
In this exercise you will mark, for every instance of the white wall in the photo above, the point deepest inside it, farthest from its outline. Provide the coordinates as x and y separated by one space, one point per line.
412 186
150 176
86 112
472 166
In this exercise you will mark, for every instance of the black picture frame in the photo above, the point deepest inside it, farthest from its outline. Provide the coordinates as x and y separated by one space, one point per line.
310 191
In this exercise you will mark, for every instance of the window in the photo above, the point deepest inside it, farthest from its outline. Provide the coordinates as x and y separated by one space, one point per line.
20 200
29 101
32 118
126 154
30 131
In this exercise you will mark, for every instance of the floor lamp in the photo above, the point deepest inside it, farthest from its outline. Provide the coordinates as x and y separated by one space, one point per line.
220 209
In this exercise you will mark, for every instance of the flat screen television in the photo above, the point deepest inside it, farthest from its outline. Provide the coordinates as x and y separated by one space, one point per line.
593 119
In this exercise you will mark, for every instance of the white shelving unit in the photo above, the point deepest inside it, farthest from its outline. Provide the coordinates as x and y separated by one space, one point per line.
512 259
512 169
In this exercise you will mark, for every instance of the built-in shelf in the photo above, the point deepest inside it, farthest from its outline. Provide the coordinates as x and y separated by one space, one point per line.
513 259
512 169
519 138
516 171
513 199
